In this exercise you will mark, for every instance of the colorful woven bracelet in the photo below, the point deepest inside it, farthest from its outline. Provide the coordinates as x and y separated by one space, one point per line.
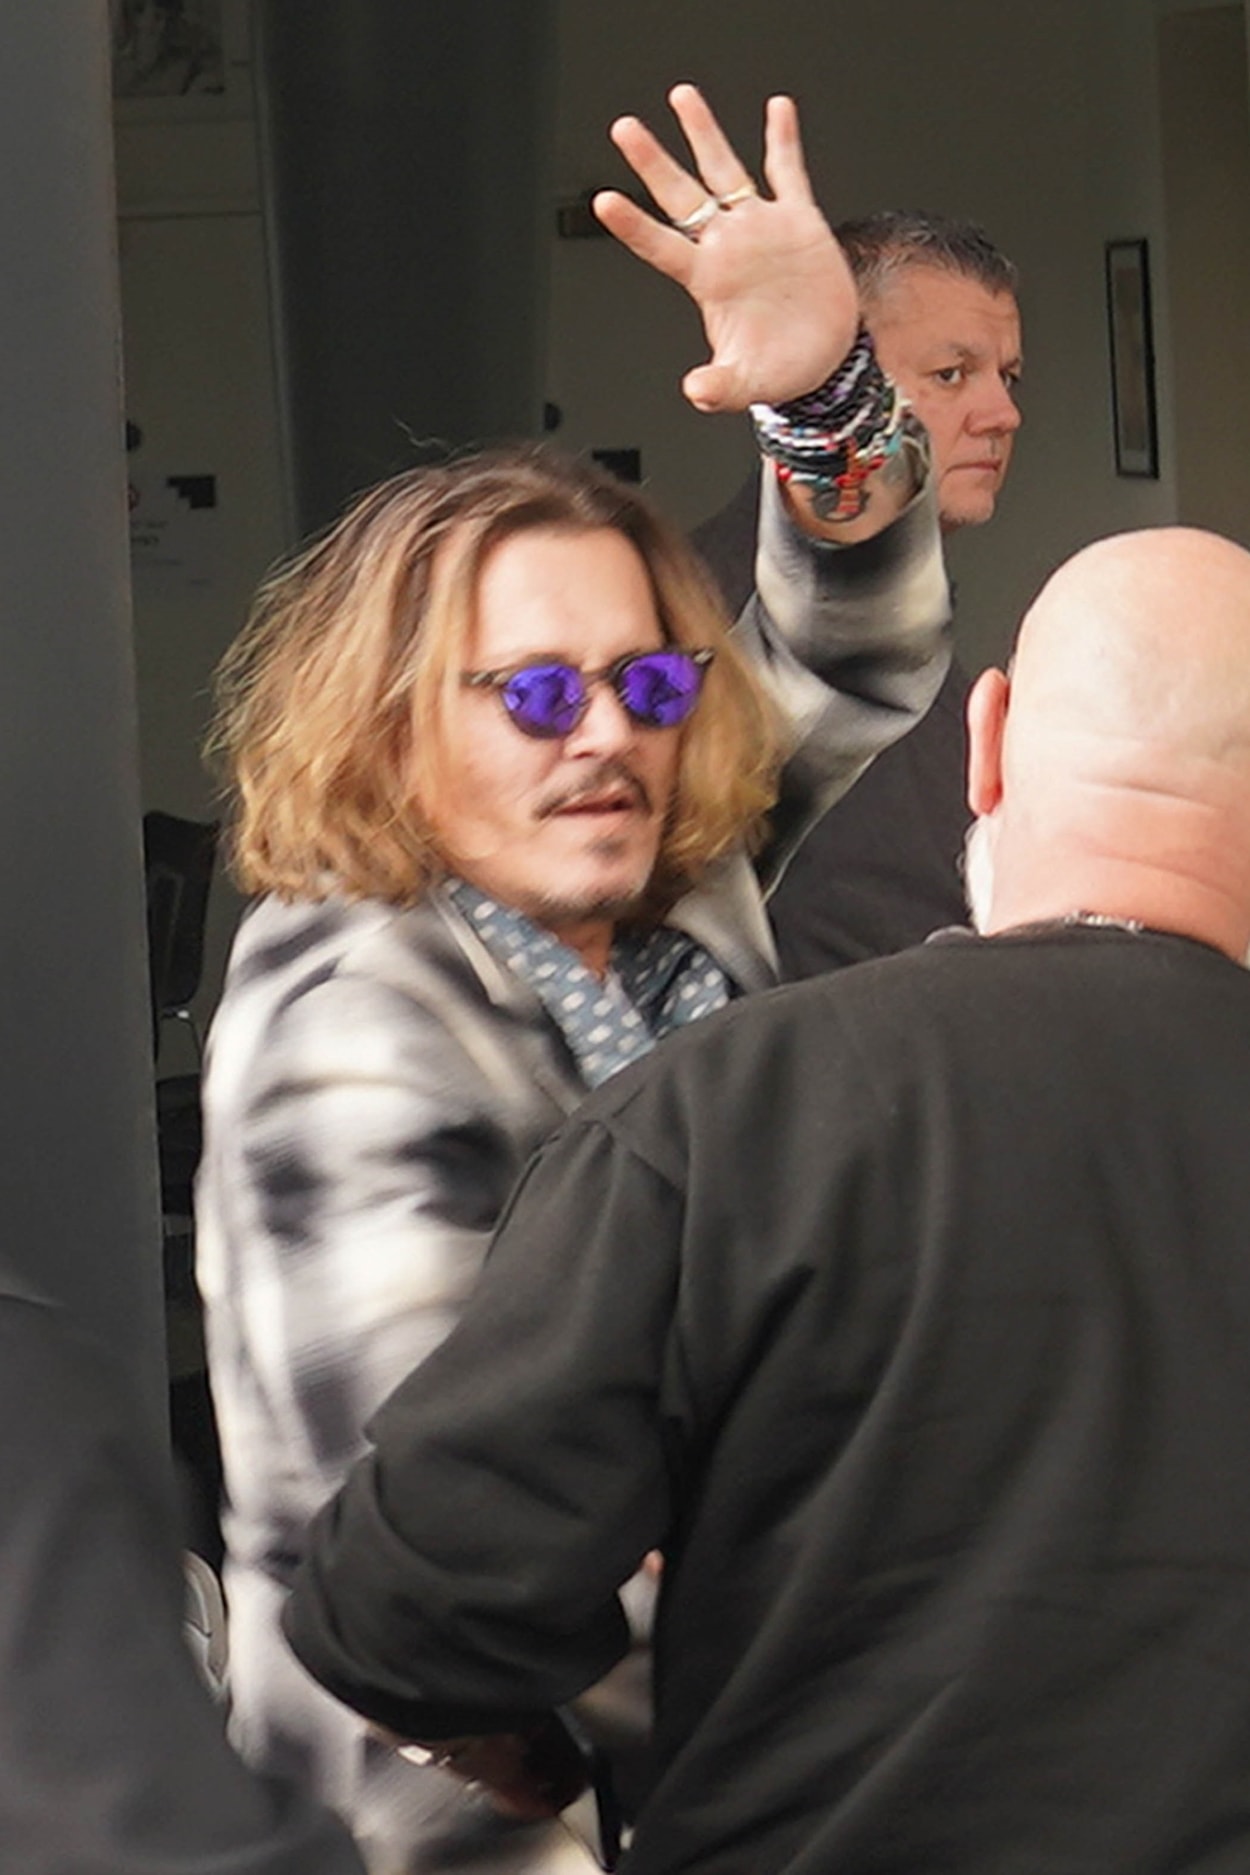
835 437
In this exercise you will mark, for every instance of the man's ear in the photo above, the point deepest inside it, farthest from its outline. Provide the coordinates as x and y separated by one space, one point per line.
987 713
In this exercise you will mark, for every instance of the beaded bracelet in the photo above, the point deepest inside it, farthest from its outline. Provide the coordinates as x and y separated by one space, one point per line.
834 438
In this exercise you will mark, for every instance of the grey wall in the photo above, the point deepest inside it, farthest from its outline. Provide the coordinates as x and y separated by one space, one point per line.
77 1166
1205 121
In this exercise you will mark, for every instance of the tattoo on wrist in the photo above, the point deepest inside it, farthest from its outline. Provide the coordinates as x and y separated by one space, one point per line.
832 504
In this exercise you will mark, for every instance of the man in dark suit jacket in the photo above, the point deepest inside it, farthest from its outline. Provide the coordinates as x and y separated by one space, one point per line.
881 870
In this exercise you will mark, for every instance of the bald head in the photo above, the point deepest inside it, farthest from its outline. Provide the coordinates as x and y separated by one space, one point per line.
1141 644
1114 774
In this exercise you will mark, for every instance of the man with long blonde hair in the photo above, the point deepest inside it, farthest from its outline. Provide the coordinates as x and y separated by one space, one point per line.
498 765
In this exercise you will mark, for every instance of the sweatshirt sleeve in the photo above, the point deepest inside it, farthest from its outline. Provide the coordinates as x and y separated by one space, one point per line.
852 642
466 1577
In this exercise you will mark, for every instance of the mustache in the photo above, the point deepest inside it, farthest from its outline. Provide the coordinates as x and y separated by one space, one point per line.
605 775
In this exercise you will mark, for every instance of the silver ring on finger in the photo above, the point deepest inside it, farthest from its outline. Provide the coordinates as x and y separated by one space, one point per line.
692 224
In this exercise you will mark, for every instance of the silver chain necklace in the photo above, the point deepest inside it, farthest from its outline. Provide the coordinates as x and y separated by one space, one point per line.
1102 921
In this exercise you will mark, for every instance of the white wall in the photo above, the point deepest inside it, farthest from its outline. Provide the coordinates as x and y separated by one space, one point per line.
1040 122
199 379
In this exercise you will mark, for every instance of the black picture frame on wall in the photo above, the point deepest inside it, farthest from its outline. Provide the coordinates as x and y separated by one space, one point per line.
1131 335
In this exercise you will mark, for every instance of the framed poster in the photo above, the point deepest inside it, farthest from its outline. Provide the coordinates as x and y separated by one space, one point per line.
167 48
1132 359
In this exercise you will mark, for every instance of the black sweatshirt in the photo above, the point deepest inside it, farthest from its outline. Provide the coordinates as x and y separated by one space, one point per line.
908 1311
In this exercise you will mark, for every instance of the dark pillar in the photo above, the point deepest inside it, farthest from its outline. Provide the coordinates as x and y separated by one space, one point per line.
403 155
78 1201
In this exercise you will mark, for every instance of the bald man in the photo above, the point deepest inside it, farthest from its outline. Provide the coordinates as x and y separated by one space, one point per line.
1123 784
908 1312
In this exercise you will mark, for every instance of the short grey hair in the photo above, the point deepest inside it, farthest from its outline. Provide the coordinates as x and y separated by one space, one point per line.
880 246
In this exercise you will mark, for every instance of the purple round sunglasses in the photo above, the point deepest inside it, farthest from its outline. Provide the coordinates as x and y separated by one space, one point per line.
549 698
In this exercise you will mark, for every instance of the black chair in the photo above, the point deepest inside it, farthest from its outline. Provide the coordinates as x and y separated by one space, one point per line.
178 860
178 864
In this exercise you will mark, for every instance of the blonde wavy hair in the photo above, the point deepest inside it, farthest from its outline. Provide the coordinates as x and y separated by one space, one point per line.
329 704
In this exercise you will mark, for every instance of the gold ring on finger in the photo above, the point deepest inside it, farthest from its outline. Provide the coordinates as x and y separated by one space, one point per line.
747 192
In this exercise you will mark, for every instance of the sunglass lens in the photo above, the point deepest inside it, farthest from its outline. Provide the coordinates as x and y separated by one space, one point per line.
660 688
545 699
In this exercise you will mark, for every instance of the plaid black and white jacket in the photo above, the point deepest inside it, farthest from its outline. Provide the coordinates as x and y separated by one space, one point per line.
375 1083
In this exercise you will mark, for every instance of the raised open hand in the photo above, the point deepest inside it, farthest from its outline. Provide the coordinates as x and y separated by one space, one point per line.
778 302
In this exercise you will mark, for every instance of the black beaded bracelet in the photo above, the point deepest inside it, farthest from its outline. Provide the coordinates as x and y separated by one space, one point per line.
858 383
834 438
